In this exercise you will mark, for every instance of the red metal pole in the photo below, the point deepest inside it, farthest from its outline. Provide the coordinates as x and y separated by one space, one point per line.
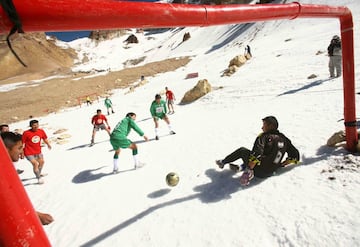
347 37
19 223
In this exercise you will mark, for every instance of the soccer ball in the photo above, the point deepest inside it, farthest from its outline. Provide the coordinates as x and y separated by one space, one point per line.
172 179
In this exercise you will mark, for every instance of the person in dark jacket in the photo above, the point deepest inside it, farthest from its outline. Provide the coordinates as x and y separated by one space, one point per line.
334 52
266 155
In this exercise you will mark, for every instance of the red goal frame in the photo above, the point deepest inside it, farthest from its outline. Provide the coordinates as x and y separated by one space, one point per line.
16 212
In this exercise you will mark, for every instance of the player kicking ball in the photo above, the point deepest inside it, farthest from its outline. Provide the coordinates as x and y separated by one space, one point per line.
119 140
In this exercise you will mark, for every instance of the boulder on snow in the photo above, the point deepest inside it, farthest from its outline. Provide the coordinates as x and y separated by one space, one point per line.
186 36
202 88
132 39
234 64
336 138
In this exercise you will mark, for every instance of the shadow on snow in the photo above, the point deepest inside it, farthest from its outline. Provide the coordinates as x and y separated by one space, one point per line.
92 175
305 87
221 186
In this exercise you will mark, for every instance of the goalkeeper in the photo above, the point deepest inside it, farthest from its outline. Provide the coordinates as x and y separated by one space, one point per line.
266 156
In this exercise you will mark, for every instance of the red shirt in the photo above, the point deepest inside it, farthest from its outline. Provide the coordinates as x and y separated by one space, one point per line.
98 120
32 141
169 95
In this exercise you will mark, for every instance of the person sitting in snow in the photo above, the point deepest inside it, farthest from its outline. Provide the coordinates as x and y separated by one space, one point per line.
266 155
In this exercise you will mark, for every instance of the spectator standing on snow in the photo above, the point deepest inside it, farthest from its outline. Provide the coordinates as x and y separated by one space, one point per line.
248 54
335 59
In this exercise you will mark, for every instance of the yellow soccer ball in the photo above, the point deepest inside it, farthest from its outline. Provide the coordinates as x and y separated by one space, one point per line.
172 179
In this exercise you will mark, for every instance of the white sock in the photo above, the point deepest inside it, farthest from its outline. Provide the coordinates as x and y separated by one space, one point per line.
169 127
136 159
116 164
156 131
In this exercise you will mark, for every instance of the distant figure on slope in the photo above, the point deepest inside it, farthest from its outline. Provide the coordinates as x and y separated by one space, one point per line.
334 52
32 148
88 100
266 155
158 110
14 145
98 121
118 139
248 54
170 97
108 104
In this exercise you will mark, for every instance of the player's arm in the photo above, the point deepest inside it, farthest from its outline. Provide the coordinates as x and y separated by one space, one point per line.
47 143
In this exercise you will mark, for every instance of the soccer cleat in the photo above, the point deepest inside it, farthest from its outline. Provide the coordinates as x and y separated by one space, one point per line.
40 181
157 138
172 132
139 165
115 171
237 168
246 177
234 167
220 163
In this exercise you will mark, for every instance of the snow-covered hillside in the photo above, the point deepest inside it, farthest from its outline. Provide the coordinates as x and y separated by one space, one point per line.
314 204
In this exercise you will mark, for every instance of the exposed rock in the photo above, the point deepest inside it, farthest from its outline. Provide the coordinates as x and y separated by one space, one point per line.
186 36
234 64
132 39
202 88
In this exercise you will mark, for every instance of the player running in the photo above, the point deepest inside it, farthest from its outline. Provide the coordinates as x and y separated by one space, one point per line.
32 148
118 139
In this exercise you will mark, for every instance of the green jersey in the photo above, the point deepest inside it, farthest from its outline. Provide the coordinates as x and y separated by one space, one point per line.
108 103
158 109
123 128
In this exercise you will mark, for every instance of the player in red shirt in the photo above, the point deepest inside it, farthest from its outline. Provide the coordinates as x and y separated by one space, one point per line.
170 97
98 121
32 147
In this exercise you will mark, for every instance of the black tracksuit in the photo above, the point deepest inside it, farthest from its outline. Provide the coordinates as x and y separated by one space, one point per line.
269 148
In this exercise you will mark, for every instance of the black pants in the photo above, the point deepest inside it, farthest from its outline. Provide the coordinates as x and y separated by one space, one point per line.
261 171
241 153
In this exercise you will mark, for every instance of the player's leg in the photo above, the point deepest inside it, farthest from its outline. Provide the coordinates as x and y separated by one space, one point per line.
137 162
41 161
93 135
35 165
242 153
156 122
116 160
167 120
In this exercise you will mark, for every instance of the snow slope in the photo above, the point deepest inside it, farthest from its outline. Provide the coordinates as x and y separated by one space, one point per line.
314 204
